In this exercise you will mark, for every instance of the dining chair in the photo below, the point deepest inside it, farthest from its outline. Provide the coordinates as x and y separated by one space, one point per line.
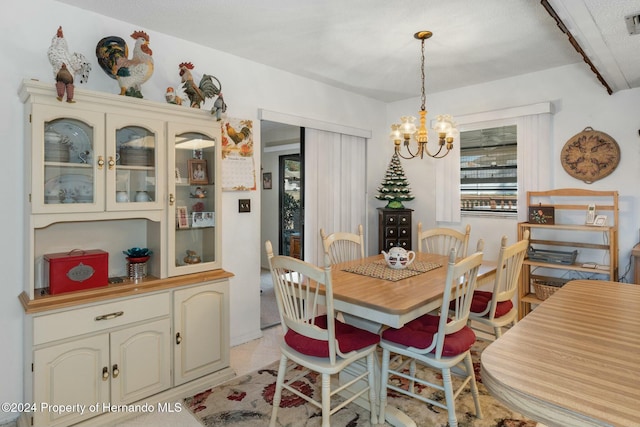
317 342
343 246
441 341
442 240
495 308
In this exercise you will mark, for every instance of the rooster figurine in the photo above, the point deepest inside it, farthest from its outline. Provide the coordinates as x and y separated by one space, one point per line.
198 94
171 97
219 107
113 57
66 65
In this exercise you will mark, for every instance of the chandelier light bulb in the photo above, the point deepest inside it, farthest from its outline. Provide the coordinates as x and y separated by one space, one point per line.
408 126
396 134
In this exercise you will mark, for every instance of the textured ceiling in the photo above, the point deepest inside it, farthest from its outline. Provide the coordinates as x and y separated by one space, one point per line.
367 46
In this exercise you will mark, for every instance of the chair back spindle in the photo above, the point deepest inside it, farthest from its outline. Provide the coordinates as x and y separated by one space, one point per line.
442 240
343 246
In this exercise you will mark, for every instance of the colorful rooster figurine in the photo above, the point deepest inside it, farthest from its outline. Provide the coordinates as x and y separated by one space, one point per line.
113 57
198 94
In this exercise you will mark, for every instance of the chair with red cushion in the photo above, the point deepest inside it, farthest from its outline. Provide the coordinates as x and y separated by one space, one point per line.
314 338
494 308
440 341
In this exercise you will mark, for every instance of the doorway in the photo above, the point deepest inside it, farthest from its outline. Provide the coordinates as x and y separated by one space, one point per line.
281 168
291 206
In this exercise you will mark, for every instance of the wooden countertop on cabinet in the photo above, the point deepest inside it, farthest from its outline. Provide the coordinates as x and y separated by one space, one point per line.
117 290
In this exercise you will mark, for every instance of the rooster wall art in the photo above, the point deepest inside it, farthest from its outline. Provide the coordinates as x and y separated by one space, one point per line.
113 57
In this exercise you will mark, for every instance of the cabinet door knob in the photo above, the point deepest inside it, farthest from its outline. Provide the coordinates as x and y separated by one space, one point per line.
105 373
112 162
178 338
172 199
100 162
115 371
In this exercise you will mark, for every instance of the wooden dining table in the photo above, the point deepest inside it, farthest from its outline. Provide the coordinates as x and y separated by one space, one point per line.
574 360
394 302
372 303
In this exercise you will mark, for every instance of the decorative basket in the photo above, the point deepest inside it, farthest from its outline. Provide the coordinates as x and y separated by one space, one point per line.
544 289
130 156
553 257
54 152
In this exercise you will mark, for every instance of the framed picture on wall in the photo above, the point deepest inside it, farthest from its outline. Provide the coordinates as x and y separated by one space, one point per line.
266 181
198 171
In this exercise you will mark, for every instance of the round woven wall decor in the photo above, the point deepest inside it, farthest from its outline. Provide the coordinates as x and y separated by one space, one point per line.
590 155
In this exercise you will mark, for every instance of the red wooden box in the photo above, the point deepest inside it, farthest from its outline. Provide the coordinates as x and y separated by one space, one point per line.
76 270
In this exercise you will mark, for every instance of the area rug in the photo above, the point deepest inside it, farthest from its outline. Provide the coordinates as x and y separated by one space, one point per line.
247 402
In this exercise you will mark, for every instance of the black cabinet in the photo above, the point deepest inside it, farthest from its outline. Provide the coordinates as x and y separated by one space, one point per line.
394 228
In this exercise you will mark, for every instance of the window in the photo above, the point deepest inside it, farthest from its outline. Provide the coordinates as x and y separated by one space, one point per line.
488 170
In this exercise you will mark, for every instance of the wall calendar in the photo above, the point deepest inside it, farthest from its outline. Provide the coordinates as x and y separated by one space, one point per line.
238 168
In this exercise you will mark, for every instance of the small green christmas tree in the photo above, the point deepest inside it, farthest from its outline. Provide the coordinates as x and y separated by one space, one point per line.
394 188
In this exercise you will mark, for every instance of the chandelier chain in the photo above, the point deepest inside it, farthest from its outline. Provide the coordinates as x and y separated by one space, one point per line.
423 97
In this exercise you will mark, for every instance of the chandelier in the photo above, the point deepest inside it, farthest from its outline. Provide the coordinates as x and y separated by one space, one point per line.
406 130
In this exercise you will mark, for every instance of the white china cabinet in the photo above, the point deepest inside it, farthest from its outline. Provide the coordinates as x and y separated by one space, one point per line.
111 172
193 199
79 166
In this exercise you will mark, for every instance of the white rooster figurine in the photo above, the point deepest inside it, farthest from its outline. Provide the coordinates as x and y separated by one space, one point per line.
112 53
66 65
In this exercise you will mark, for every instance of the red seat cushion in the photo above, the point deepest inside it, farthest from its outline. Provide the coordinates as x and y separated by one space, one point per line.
349 339
419 334
481 300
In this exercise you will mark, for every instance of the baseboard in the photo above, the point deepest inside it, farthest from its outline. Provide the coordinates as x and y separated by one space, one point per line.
8 421
241 339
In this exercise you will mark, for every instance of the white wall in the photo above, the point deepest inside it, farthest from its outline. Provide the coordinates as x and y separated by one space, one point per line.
28 28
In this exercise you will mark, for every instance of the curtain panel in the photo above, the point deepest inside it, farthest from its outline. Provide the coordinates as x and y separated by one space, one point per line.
335 187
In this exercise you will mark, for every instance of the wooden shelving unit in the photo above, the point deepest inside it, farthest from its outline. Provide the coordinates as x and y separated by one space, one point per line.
569 233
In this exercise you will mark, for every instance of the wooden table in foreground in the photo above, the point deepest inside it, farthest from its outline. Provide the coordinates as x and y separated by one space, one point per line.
574 360
372 303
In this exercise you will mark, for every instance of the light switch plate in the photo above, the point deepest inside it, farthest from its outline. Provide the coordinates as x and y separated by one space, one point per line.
244 205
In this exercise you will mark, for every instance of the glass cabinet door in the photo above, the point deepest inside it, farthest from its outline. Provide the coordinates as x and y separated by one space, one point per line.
134 151
67 160
194 235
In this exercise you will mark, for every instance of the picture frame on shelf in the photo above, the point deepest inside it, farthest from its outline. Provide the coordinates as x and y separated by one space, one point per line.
267 182
203 219
542 214
182 218
178 176
198 172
